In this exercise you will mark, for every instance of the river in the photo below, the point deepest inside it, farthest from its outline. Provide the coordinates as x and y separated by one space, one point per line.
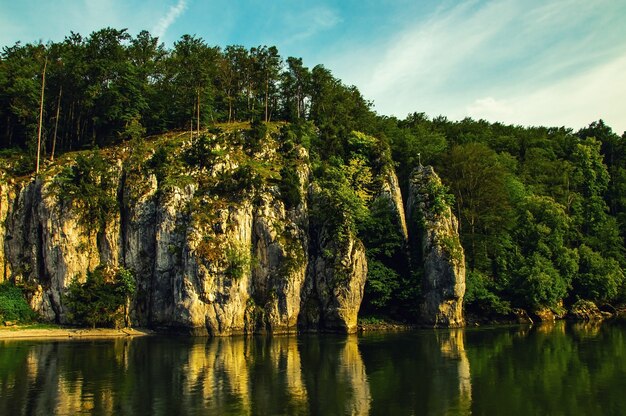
560 369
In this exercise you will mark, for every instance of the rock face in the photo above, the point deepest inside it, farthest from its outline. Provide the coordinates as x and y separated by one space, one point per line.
434 234
390 191
585 310
334 292
215 249
217 264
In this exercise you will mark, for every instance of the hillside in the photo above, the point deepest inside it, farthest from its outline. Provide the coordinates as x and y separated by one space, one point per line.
165 163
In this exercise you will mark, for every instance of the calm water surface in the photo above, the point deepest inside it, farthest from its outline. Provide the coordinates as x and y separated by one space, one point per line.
542 370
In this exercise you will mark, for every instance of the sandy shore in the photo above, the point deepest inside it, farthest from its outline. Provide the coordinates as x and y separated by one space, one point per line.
17 332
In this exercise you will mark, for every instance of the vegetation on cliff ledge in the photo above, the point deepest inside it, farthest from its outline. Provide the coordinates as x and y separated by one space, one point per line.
542 210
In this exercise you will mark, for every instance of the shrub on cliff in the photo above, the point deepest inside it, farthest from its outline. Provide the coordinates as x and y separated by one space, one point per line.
13 306
89 187
102 300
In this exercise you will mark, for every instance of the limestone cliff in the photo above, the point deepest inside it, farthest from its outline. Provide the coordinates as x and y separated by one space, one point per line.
434 230
225 233
214 245
338 270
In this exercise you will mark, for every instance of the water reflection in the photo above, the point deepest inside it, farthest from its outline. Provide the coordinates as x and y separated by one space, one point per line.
453 347
552 369
547 369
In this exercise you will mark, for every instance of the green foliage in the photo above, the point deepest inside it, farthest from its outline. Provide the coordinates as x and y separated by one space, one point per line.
201 154
158 163
381 284
90 189
539 283
477 178
16 162
481 296
238 261
256 136
299 133
13 306
439 197
101 299
246 178
289 187
133 129
337 204
380 231
599 279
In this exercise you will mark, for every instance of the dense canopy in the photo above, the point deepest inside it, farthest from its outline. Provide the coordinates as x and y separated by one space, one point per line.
542 210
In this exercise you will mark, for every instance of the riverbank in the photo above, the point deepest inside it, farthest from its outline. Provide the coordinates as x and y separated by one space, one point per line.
59 332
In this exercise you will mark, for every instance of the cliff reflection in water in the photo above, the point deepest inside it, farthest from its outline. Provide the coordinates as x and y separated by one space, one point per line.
168 376
549 369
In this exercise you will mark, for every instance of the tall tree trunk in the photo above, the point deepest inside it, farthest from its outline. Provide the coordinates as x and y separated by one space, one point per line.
267 92
43 86
249 96
198 114
298 103
230 107
56 124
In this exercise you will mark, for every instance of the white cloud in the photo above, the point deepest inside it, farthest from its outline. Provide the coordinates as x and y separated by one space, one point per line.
166 21
573 102
310 22
490 108
524 62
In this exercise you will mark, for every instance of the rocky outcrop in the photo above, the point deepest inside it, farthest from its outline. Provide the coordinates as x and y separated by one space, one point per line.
334 292
336 275
434 232
390 191
207 260
230 240
46 246
280 251
585 310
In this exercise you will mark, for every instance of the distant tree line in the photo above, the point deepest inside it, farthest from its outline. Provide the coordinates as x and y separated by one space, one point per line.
542 210
111 86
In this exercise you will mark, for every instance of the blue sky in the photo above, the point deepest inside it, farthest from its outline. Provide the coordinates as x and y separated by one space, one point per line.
529 62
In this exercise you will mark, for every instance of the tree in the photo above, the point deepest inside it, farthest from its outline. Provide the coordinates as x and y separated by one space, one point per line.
43 87
478 180
190 71
295 89
19 94
266 64
103 299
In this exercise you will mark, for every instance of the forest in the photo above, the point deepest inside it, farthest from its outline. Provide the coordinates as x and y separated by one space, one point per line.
542 210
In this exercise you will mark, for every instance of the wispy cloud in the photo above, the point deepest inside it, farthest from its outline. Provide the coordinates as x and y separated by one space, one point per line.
502 59
166 21
310 22
572 102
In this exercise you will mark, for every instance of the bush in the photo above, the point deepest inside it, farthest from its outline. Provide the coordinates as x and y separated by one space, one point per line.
380 285
480 296
290 187
539 284
13 306
235 184
599 279
90 185
200 154
102 299
256 136
239 262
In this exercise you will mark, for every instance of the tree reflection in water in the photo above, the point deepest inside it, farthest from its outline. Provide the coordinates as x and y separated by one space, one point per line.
548 369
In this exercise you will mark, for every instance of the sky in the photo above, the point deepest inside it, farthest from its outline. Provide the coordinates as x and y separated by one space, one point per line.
527 62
